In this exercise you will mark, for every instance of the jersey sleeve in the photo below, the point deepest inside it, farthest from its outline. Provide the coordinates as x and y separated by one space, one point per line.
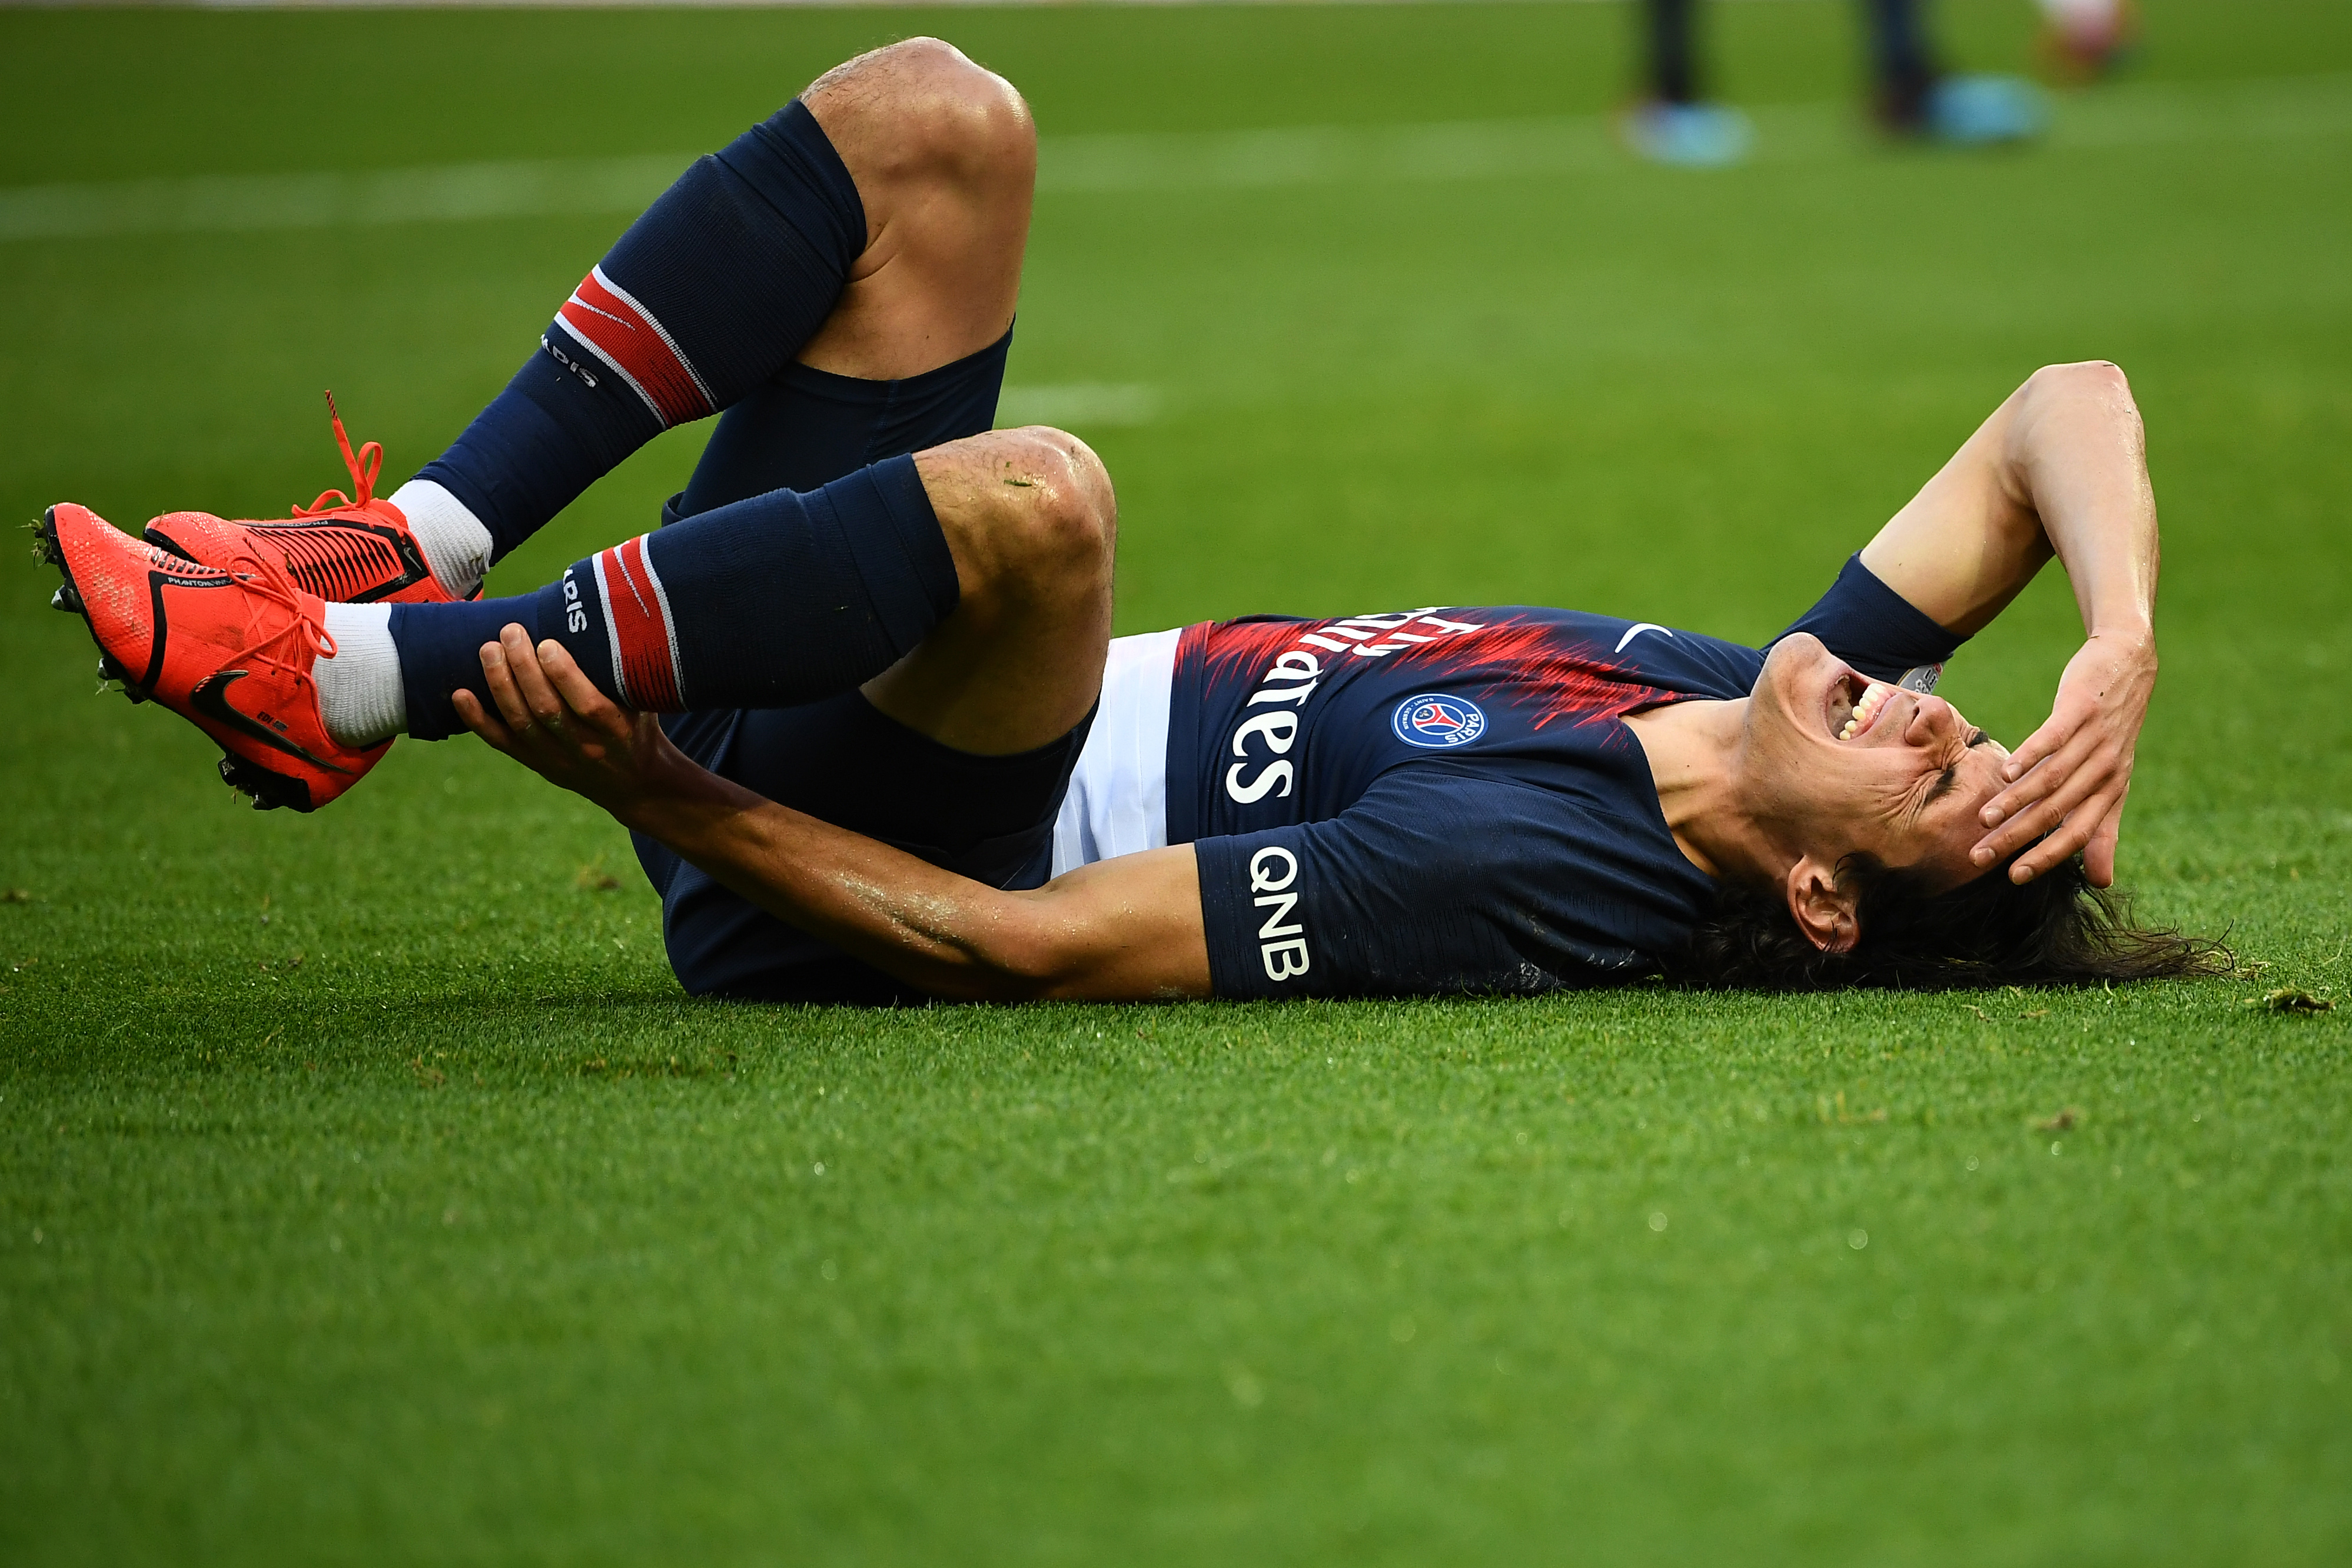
1873 628
1434 882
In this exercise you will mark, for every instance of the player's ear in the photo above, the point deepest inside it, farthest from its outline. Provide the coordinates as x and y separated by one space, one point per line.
1822 911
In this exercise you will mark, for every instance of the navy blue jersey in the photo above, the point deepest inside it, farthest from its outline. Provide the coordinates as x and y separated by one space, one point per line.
1447 799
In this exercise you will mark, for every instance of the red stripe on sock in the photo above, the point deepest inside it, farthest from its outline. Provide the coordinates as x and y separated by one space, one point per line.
640 623
631 340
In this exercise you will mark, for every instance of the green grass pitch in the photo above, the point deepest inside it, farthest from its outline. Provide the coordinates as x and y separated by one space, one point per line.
368 1191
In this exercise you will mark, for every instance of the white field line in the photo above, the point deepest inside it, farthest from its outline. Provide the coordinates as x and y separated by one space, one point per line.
2302 109
242 203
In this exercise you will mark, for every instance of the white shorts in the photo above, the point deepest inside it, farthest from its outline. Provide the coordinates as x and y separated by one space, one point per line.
1117 802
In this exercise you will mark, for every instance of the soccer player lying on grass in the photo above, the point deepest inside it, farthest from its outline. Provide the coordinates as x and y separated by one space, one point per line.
900 755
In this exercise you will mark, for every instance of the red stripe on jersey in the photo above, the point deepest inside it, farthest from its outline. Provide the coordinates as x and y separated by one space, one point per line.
628 338
645 647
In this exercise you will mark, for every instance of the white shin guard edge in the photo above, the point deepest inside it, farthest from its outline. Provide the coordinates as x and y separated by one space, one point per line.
360 694
456 545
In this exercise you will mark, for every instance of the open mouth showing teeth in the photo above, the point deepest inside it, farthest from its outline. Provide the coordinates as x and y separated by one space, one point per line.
1851 712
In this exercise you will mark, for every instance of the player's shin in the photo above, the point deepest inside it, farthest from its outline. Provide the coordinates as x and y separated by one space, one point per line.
782 599
711 292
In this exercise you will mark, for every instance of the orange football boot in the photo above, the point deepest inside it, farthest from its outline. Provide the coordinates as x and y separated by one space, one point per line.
230 649
355 550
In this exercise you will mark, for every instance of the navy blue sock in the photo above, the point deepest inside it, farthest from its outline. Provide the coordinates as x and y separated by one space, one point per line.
711 292
767 602
440 650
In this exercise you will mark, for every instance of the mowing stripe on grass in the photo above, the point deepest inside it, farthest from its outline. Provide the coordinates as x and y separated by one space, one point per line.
237 204
2297 108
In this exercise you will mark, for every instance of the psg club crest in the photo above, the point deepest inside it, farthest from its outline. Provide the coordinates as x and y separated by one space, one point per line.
1437 720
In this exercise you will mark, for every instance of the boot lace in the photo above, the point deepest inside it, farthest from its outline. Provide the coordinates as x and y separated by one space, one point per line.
364 469
299 630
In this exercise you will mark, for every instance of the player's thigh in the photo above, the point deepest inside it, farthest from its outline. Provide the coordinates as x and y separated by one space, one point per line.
990 684
944 156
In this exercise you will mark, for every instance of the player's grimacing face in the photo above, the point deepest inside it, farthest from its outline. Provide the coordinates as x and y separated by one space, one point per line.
1847 764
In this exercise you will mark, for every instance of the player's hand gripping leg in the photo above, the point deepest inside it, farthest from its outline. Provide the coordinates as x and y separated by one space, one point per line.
546 714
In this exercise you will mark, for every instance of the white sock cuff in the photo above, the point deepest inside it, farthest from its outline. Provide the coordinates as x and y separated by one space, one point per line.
456 545
360 693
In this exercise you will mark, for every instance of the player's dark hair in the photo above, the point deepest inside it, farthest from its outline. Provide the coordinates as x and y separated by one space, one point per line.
2057 929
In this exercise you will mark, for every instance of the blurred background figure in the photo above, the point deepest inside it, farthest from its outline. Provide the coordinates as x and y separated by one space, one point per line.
2083 40
1911 95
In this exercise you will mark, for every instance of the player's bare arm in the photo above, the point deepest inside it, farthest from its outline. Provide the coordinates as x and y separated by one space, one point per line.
2060 468
1122 929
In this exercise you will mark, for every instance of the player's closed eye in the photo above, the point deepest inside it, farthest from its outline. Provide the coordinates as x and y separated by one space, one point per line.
1950 777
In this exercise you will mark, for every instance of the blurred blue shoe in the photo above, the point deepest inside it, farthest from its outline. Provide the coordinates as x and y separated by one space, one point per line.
1689 136
1983 110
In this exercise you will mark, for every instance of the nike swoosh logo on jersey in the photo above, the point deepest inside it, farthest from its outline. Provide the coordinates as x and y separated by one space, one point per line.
210 699
1637 629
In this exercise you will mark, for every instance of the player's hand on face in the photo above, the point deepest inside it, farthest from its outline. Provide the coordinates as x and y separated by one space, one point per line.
2074 772
546 714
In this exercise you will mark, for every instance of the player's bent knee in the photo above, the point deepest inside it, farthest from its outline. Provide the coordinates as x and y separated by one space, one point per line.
1068 522
937 111
971 126
1049 519
2096 378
